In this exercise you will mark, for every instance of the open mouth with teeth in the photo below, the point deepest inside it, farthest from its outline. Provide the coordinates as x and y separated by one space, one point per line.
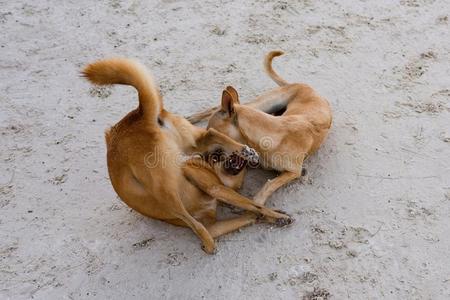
238 161
234 164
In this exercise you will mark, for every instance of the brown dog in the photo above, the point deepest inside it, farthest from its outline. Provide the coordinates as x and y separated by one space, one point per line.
154 168
284 125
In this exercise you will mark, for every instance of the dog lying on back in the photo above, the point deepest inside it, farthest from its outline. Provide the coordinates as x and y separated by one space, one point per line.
168 169
284 125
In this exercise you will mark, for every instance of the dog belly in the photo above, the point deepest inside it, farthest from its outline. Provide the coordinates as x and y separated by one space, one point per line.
200 205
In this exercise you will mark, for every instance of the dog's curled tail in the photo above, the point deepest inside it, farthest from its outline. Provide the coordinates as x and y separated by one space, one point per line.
268 67
128 72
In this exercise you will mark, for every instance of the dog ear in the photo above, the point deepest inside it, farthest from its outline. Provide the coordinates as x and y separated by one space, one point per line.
227 103
233 93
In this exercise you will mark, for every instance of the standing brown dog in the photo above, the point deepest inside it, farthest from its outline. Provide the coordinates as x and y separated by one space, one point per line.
153 166
284 125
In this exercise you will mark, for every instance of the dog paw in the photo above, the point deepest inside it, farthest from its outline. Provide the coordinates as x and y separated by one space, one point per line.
211 249
278 222
284 222
260 217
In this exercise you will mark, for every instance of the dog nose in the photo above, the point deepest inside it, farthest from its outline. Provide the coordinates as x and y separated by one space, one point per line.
250 155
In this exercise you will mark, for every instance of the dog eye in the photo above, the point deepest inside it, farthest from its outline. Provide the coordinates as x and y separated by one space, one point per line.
218 151
217 155
160 122
223 114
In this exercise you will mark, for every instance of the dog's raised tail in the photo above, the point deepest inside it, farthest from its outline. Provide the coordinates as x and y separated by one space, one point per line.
268 67
128 72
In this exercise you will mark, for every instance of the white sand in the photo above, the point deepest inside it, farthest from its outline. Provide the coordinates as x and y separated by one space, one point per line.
372 214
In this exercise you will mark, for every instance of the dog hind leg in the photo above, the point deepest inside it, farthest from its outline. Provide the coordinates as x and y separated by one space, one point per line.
209 246
226 226
200 116
172 203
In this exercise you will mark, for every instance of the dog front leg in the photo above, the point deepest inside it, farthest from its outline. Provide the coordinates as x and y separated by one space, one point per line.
267 102
229 196
199 174
272 185
200 116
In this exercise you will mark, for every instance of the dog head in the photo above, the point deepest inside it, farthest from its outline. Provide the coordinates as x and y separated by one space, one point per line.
231 169
225 119
228 158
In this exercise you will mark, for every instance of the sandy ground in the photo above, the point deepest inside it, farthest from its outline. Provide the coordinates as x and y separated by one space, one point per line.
372 213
